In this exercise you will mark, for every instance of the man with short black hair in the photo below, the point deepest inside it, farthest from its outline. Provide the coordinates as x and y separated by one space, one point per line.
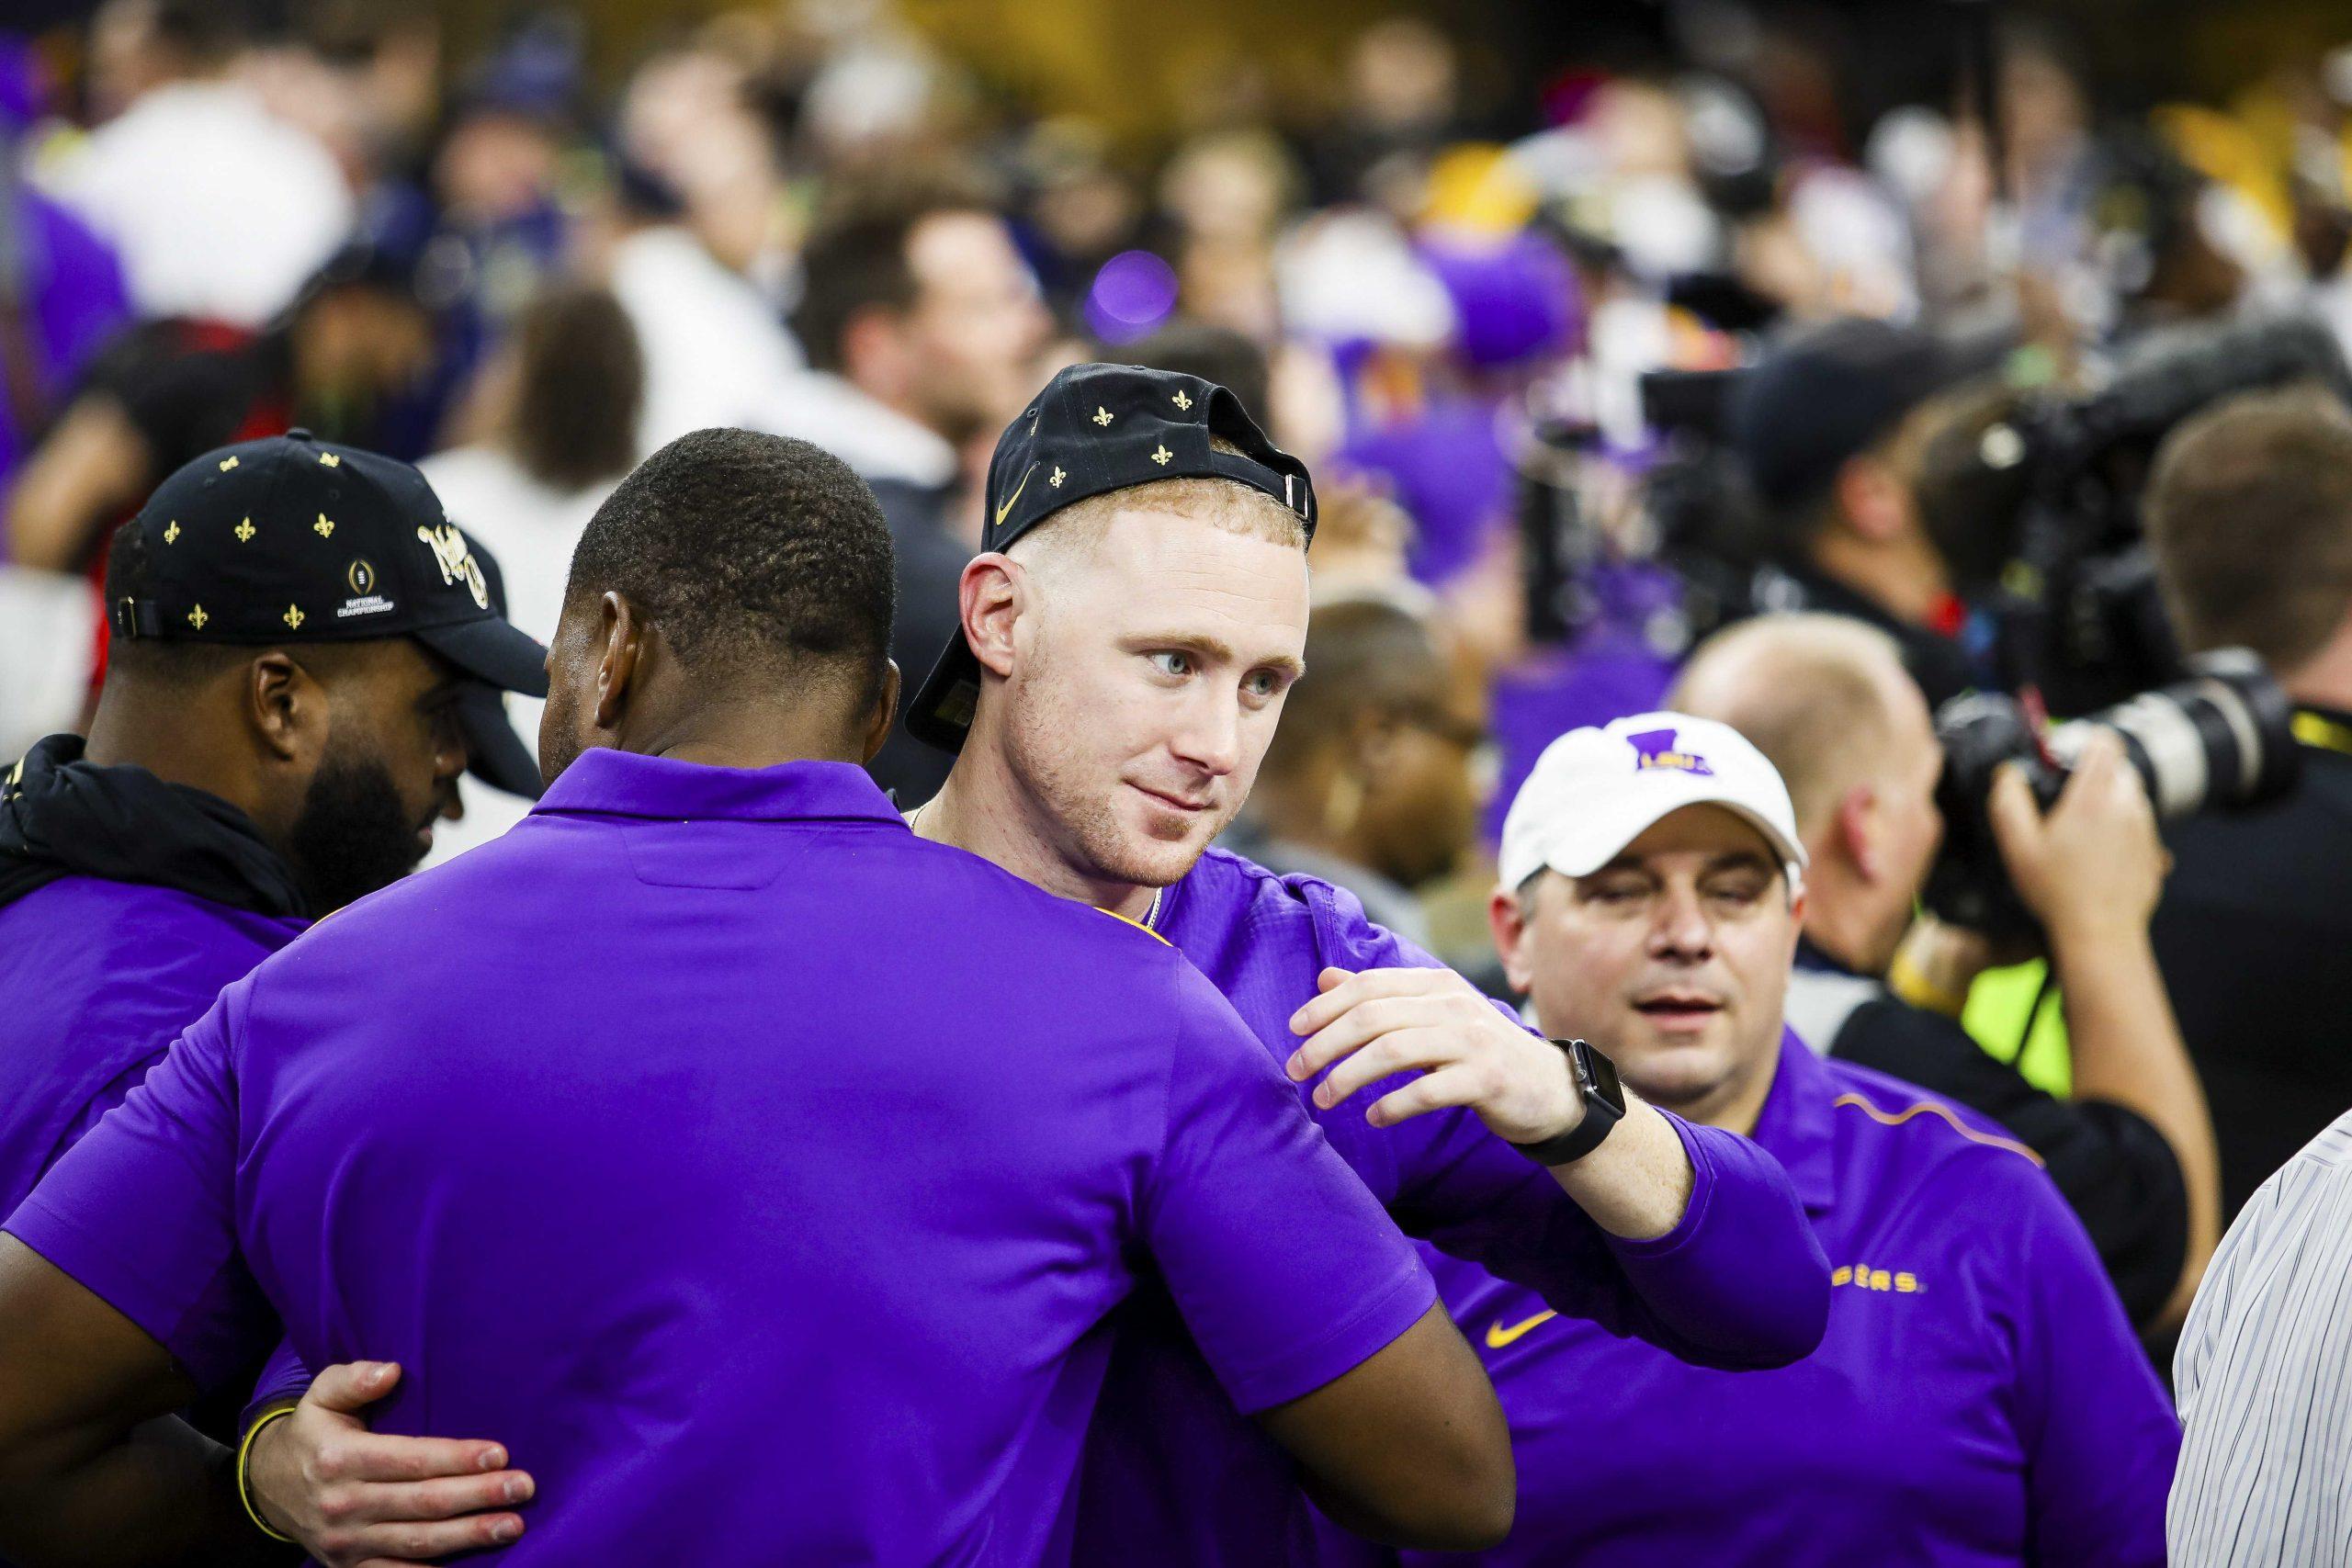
2249 511
305 653
923 324
817 1259
1369 783
1830 426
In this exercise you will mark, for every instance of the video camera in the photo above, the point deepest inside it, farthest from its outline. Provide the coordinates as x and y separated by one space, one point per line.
2050 485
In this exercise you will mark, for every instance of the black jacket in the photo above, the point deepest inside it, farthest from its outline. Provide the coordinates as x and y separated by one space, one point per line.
2255 939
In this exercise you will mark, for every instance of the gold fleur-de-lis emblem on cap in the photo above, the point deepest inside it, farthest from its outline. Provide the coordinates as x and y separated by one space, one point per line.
1164 457
1056 477
196 617
172 532
246 531
293 616
329 460
228 463
1181 401
323 527
1102 414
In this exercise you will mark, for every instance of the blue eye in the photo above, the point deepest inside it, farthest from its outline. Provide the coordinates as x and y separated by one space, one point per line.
1171 662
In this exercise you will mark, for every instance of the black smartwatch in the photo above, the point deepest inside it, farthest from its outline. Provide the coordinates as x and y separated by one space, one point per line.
1604 1106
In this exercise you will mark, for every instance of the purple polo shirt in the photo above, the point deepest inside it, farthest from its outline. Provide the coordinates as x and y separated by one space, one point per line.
759 1173
1979 1399
96 978
1174 1475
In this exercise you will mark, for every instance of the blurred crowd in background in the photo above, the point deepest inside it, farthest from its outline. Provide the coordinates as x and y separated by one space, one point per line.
219 222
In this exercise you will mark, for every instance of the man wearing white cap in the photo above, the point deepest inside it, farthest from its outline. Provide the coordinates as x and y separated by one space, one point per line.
1979 1397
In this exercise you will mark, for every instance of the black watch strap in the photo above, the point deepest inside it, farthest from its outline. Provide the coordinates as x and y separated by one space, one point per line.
1594 1077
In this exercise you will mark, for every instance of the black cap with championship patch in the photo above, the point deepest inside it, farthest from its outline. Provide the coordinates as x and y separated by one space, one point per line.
293 540
1097 428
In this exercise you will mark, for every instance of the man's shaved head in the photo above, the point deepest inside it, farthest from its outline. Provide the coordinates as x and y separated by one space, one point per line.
1828 702
1821 696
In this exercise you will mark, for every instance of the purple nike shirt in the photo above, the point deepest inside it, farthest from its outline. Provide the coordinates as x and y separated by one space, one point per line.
1980 1400
1174 1474
759 1174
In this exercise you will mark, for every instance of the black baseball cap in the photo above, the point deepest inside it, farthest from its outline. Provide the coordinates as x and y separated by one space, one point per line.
1097 428
292 541
1827 395
494 753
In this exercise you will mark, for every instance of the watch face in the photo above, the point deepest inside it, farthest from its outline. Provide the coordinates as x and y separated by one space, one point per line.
1600 1075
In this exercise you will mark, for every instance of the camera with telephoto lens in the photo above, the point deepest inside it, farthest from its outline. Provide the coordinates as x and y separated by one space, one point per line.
2223 738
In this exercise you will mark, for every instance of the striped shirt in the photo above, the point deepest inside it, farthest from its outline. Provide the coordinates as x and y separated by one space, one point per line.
2263 1376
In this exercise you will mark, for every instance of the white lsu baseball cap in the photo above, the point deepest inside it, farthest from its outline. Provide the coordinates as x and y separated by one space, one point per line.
1595 791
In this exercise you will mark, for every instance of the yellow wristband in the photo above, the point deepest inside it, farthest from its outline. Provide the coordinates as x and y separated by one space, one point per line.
245 1459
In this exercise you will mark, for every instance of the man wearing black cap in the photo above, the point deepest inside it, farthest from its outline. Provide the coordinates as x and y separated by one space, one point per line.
306 655
1112 686
1829 427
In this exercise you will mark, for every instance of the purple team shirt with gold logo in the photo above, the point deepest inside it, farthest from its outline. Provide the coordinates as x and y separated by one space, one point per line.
1174 1475
1979 1401
759 1174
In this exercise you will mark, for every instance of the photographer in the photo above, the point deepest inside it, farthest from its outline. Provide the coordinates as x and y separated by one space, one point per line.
1829 430
2249 514
1823 698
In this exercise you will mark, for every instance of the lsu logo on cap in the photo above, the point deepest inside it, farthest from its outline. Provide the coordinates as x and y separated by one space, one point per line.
1654 748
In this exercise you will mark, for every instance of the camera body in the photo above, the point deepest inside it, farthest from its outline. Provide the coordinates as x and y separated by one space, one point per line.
2223 738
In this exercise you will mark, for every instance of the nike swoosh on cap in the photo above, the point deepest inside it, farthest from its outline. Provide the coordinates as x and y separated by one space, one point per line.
1007 507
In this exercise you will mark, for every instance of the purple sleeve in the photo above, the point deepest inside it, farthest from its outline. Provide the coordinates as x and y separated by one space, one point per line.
283 1378
113 1094
1282 1262
1739 1282
143 1211
2100 1438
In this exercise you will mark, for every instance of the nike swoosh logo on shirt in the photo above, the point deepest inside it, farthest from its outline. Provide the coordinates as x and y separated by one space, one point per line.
1002 511
1497 1336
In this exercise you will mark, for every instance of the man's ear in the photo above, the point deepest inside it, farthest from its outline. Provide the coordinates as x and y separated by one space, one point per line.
874 353
1508 919
885 708
287 707
990 599
1371 743
622 632
1856 832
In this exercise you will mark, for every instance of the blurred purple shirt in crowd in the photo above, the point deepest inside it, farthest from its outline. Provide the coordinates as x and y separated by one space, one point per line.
760 1173
1174 1474
1980 1401
73 287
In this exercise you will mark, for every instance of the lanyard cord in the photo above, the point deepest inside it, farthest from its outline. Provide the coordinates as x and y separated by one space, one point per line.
2319 729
